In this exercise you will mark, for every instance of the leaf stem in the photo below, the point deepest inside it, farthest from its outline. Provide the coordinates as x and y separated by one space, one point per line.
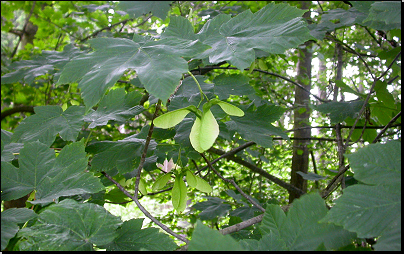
199 87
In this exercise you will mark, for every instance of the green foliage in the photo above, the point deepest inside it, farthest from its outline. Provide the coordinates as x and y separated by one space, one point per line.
94 74
374 207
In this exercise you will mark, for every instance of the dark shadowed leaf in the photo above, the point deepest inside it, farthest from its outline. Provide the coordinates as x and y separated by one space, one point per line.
131 237
71 226
49 121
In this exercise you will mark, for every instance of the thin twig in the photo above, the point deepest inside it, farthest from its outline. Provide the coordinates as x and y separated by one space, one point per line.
139 170
368 98
386 127
233 183
145 212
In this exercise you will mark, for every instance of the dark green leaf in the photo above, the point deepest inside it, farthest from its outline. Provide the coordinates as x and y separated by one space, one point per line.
131 237
49 121
311 176
71 226
51 178
234 84
138 8
117 154
27 70
99 70
206 239
262 129
300 230
10 219
378 164
273 29
116 105
339 111
212 208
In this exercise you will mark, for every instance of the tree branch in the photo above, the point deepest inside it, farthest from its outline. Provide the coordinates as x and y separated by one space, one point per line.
233 183
16 109
258 170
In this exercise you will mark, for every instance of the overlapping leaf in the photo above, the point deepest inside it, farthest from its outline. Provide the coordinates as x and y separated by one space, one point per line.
51 177
117 154
213 208
10 219
206 239
339 111
27 70
49 121
260 132
273 29
71 226
375 209
8 148
131 237
235 84
99 70
299 229
138 8
116 105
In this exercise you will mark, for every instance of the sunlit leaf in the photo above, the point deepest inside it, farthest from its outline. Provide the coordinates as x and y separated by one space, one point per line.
171 119
191 179
202 185
179 194
161 182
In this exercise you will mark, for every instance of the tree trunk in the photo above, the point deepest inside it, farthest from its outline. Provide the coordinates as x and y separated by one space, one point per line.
300 159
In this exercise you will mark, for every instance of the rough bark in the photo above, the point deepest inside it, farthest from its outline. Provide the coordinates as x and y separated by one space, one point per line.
300 159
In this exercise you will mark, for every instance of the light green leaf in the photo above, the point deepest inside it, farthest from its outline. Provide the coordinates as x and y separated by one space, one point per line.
10 219
273 29
142 186
49 121
131 237
161 182
71 226
179 194
206 239
202 185
230 109
209 130
195 134
191 179
171 119
99 70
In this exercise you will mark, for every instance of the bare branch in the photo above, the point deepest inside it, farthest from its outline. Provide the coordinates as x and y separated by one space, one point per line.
233 183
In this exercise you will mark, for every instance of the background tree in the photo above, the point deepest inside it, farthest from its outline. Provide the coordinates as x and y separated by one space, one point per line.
192 106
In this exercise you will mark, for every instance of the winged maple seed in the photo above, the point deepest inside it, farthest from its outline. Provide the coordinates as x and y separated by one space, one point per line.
167 165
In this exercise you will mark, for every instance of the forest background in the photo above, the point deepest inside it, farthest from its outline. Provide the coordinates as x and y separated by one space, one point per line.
228 125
